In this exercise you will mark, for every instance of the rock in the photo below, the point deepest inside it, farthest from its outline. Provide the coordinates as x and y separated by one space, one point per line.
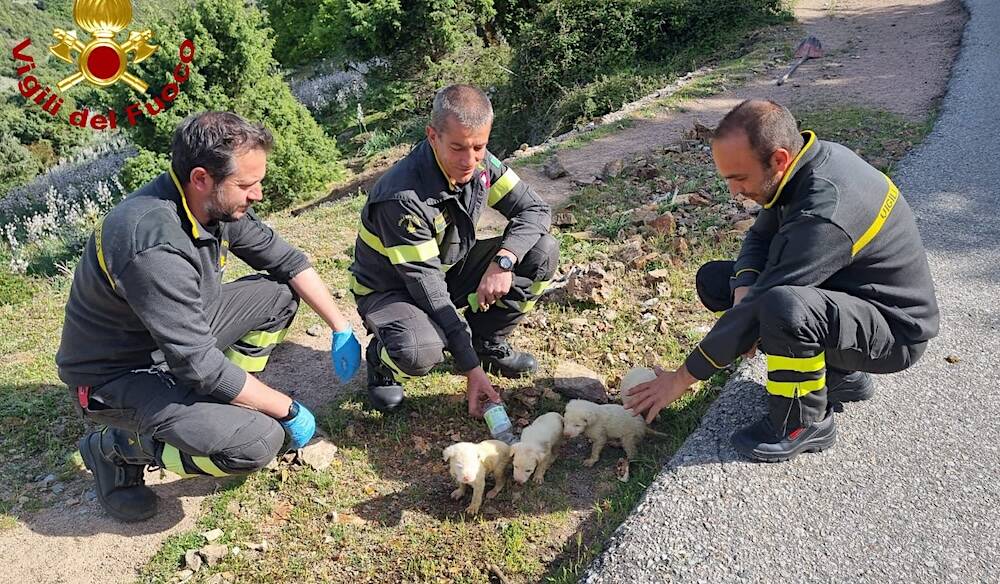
644 214
58 488
183 575
682 199
47 481
660 275
680 247
701 132
743 226
523 147
192 561
591 284
578 322
563 219
584 182
212 535
554 169
574 381
953 359
613 169
315 330
213 554
700 200
645 172
665 224
639 263
318 454
221 578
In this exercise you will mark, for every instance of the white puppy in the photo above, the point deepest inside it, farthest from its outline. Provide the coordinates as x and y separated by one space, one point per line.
469 465
601 423
534 453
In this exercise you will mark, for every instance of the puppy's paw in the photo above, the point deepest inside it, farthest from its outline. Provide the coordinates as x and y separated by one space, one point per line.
590 462
472 509
457 493
492 493
538 479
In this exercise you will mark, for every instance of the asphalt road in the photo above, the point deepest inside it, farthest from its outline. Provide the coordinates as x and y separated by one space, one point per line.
912 491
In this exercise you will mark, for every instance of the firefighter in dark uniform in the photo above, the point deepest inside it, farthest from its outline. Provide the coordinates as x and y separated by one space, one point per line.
155 347
417 261
831 283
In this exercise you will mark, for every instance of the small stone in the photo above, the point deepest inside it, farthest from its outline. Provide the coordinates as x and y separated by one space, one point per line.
658 275
183 575
564 219
58 488
554 169
574 381
953 359
613 169
212 535
315 330
318 454
578 322
213 554
664 224
585 182
192 561
47 481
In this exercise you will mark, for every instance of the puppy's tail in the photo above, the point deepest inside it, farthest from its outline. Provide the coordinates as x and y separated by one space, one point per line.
653 432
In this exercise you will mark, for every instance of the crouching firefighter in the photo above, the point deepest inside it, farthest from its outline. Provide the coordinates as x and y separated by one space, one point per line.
155 347
831 283
417 261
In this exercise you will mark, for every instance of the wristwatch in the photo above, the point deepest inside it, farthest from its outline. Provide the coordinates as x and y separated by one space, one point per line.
293 410
505 262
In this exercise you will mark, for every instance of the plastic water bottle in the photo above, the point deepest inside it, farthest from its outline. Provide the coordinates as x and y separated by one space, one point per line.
499 423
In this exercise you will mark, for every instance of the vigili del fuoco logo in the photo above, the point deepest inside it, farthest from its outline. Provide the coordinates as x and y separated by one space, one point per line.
101 61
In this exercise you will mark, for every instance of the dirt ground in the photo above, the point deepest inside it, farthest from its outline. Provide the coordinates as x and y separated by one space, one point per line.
891 55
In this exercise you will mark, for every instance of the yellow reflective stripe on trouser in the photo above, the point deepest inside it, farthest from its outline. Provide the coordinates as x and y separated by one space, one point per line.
397 373
99 248
264 338
205 464
358 288
883 213
799 364
793 389
504 185
246 363
399 254
535 290
538 287
171 459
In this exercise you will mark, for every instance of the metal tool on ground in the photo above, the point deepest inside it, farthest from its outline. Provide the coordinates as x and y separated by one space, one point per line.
810 48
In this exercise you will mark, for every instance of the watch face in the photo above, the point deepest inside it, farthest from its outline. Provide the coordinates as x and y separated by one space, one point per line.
505 262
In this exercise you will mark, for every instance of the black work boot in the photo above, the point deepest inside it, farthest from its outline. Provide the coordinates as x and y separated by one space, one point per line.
844 387
499 358
118 459
762 441
384 392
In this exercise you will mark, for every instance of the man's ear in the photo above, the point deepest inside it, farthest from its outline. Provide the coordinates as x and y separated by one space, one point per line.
781 159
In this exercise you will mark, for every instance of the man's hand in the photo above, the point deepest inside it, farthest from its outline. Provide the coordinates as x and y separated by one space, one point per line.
647 399
739 293
480 391
496 282
301 427
345 353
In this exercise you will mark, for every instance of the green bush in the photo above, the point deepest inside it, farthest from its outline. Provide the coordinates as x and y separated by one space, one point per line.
17 165
234 70
142 168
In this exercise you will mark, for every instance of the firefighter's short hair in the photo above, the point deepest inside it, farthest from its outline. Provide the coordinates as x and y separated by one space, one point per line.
212 140
767 124
466 104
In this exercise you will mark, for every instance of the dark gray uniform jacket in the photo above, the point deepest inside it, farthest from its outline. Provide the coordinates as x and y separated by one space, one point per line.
835 223
161 269
416 226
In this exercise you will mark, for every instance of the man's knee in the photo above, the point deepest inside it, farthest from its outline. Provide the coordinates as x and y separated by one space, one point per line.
712 284
782 309
541 261
416 358
252 447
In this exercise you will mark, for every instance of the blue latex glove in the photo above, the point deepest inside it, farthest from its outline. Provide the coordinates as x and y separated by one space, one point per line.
301 428
345 352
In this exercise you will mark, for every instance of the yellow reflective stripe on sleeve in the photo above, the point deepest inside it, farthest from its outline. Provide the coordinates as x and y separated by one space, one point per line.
264 338
884 211
709 359
206 464
504 185
99 248
184 203
446 267
791 168
359 288
737 275
397 373
171 459
799 364
246 363
399 254
538 287
792 389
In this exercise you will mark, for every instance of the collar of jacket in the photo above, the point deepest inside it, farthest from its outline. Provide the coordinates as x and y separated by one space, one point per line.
196 229
801 159
431 170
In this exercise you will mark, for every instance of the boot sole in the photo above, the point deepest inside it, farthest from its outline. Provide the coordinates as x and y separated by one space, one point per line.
815 445
91 464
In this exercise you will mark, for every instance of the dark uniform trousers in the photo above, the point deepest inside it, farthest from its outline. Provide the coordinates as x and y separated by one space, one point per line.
801 322
409 341
193 433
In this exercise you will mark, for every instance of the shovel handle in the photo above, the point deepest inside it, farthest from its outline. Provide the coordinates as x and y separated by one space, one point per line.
795 66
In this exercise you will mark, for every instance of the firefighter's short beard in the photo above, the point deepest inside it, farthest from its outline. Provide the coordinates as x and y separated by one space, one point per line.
216 206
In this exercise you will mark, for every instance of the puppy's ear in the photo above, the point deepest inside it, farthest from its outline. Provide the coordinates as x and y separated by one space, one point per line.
448 452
